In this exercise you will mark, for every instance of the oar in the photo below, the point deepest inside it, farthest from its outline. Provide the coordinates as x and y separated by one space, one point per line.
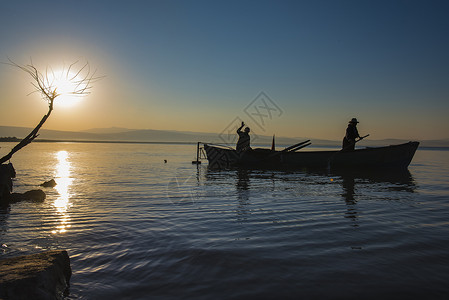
294 146
329 160
361 138
299 147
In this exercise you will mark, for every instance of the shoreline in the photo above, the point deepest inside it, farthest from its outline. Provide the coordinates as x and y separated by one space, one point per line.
43 275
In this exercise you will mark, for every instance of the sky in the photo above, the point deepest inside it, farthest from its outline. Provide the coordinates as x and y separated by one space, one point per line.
290 68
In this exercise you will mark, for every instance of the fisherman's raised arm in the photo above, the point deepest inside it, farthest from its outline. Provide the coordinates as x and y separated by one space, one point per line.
240 128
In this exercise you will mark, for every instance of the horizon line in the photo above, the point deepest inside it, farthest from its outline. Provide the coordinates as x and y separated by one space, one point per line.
209 133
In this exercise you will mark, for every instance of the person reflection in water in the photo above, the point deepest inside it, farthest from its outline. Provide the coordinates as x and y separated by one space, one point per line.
351 134
348 184
243 193
243 144
348 195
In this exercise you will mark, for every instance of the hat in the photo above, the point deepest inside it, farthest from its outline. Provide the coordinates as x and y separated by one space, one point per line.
353 120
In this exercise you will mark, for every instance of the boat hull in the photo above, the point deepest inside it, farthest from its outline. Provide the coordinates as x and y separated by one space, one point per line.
389 157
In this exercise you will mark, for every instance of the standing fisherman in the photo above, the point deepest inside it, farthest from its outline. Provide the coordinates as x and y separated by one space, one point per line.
351 134
244 139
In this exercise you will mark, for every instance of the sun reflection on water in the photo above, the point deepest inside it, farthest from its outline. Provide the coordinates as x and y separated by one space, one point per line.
63 183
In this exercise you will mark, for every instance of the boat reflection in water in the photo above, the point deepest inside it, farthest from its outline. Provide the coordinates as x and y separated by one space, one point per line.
63 183
381 183
296 189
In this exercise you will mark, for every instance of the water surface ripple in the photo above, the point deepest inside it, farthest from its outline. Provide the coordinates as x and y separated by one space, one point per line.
136 227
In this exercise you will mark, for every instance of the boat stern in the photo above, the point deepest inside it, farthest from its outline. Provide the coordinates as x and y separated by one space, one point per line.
220 157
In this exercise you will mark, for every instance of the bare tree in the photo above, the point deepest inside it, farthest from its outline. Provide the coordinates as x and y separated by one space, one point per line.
81 78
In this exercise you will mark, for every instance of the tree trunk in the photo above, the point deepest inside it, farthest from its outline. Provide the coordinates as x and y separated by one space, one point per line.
29 138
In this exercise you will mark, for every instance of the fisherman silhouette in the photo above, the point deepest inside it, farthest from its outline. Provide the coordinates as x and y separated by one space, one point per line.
243 144
351 134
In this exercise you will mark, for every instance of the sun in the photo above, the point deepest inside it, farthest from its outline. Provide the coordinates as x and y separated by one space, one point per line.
66 84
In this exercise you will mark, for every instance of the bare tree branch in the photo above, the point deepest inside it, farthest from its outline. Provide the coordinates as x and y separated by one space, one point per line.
46 86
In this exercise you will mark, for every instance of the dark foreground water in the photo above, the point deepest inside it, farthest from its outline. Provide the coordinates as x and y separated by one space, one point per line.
138 228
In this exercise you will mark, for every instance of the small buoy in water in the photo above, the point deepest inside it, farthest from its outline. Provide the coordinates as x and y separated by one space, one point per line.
165 161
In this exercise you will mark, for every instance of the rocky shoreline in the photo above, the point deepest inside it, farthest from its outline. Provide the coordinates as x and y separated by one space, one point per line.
41 276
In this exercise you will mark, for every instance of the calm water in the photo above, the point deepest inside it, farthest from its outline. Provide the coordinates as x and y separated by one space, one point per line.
138 228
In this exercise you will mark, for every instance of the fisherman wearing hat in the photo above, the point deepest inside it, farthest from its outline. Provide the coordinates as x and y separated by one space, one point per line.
351 134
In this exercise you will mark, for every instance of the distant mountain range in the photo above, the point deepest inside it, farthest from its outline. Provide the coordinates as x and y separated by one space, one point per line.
116 134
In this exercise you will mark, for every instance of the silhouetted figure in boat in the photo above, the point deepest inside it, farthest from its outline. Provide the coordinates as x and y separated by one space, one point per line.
244 139
351 134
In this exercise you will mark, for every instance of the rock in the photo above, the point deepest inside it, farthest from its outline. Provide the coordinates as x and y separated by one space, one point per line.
33 195
7 172
50 183
39 276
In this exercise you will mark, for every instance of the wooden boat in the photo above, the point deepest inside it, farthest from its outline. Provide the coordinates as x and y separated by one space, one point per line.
388 157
